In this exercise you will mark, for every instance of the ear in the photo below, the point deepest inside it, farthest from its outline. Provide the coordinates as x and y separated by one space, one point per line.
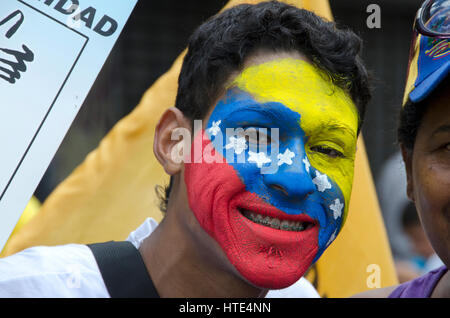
407 159
168 147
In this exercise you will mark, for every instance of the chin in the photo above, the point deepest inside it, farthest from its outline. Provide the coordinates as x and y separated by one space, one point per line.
270 249
271 273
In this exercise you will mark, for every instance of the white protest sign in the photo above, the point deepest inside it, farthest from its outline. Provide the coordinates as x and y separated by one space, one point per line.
51 52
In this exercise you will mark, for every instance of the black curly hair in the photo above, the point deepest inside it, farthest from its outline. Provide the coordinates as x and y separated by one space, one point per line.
411 115
409 122
220 46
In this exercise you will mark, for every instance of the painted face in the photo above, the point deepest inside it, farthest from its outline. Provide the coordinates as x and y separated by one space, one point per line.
274 223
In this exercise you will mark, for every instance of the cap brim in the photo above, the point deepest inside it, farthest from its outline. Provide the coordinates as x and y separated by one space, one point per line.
421 91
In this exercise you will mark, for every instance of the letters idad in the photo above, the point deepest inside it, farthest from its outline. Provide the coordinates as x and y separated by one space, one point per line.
13 61
106 26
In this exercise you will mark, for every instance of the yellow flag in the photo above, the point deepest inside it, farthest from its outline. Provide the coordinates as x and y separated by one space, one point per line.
30 211
113 191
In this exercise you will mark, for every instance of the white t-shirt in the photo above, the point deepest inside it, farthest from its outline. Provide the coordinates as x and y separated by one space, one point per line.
71 271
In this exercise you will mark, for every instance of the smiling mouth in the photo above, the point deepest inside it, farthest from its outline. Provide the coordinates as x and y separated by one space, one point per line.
276 223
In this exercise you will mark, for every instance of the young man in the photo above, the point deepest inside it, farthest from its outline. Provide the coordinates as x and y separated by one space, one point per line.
264 187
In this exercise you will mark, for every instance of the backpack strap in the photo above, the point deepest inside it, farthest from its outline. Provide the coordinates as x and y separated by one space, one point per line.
123 270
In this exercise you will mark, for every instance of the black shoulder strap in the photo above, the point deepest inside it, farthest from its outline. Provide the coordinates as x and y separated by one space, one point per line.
123 270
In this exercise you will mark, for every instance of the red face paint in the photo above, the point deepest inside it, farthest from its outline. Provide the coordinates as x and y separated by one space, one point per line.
266 257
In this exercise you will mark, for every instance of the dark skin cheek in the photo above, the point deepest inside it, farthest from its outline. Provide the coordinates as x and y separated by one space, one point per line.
431 199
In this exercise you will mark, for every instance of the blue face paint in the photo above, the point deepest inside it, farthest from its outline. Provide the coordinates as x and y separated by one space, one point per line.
296 187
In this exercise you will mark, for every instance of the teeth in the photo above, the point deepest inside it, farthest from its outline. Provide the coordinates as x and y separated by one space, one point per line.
300 226
276 223
266 221
259 218
285 225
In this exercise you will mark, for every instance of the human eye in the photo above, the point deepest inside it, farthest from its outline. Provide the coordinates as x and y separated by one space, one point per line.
256 135
440 144
445 148
442 153
329 151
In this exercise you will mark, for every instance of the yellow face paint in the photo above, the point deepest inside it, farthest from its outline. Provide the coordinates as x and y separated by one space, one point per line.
329 118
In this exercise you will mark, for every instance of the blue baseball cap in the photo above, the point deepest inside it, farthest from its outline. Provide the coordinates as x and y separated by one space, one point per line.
429 62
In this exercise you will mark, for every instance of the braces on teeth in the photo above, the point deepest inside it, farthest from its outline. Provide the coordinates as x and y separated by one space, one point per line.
277 223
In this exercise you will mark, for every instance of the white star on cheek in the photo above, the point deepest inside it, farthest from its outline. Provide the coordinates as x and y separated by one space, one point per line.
336 207
332 238
321 182
286 157
307 164
214 129
239 144
259 158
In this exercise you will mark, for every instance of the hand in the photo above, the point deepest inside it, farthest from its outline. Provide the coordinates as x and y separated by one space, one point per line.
11 72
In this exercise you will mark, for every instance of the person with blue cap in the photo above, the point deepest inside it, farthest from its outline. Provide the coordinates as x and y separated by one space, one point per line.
424 138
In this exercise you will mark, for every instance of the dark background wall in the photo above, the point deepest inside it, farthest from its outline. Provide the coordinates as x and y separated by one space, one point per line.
156 34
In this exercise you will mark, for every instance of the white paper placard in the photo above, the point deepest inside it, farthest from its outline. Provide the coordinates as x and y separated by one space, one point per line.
51 52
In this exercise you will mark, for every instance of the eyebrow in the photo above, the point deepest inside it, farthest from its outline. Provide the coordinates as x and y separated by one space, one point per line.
441 129
275 115
335 125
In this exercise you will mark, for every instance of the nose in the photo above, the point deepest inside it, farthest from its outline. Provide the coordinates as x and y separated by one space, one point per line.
292 182
293 185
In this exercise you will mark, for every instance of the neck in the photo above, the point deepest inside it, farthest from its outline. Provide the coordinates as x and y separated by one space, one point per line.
442 289
184 266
